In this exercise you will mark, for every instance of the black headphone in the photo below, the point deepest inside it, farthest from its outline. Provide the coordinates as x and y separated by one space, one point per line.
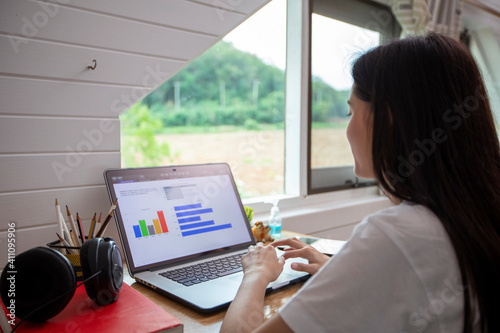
44 278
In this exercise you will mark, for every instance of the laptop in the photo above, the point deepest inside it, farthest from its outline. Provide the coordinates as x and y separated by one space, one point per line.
183 231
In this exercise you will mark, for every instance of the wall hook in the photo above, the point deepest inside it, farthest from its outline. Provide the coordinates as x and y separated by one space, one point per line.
95 65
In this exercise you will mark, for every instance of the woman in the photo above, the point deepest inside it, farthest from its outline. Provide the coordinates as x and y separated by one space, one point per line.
421 124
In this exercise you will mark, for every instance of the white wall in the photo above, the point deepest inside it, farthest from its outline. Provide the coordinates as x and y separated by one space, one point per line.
59 127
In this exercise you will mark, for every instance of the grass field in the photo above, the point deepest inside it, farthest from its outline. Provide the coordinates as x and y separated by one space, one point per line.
256 157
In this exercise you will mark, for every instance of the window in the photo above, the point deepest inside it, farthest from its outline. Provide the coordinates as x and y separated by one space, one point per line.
340 31
230 105
225 106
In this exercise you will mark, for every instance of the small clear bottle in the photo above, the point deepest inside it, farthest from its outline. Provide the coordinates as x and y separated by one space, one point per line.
275 220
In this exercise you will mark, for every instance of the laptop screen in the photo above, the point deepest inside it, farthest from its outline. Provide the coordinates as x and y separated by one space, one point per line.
169 214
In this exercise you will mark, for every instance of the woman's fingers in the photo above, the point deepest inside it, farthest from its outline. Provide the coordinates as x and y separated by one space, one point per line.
298 249
308 252
315 259
311 269
292 242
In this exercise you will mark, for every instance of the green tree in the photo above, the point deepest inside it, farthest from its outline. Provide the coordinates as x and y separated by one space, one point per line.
139 143
226 86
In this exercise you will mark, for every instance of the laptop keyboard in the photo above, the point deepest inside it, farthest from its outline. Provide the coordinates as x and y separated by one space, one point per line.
209 270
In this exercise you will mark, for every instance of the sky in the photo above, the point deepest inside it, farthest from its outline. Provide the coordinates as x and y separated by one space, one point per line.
334 43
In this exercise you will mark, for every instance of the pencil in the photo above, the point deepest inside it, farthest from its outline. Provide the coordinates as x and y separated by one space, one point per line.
98 223
69 244
66 233
106 221
59 224
113 206
73 227
104 224
80 228
74 238
92 226
63 242
65 236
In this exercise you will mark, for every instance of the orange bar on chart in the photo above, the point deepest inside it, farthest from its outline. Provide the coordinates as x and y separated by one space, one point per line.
157 226
162 221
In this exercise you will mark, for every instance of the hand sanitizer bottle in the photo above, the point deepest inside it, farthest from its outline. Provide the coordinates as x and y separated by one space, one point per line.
275 220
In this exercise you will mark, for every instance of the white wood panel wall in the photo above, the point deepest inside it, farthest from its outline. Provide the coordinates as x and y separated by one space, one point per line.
59 126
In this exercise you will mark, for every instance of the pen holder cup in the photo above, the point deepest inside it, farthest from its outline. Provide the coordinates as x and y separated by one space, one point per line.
74 259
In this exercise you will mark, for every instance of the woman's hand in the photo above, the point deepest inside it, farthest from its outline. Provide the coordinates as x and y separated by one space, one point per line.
298 249
261 266
263 263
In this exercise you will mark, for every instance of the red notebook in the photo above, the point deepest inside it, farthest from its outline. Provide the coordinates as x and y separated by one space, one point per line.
132 312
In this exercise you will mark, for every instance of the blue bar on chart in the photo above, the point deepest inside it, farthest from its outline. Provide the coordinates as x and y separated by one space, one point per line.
203 230
189 219
137 231
195 212
185 207
197 225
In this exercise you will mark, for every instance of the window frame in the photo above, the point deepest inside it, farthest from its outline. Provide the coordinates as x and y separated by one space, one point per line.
298 194
365 14
484 47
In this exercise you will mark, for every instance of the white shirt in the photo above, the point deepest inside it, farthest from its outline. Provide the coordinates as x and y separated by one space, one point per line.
397 273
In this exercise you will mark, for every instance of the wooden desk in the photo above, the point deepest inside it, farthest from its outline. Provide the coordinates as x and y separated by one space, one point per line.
195 322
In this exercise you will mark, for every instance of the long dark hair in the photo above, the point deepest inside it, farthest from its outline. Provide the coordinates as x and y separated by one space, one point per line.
435 144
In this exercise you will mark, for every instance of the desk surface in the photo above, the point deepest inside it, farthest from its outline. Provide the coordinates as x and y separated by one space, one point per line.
198 322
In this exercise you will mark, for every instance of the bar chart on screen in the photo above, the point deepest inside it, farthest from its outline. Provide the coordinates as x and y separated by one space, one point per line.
159 226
